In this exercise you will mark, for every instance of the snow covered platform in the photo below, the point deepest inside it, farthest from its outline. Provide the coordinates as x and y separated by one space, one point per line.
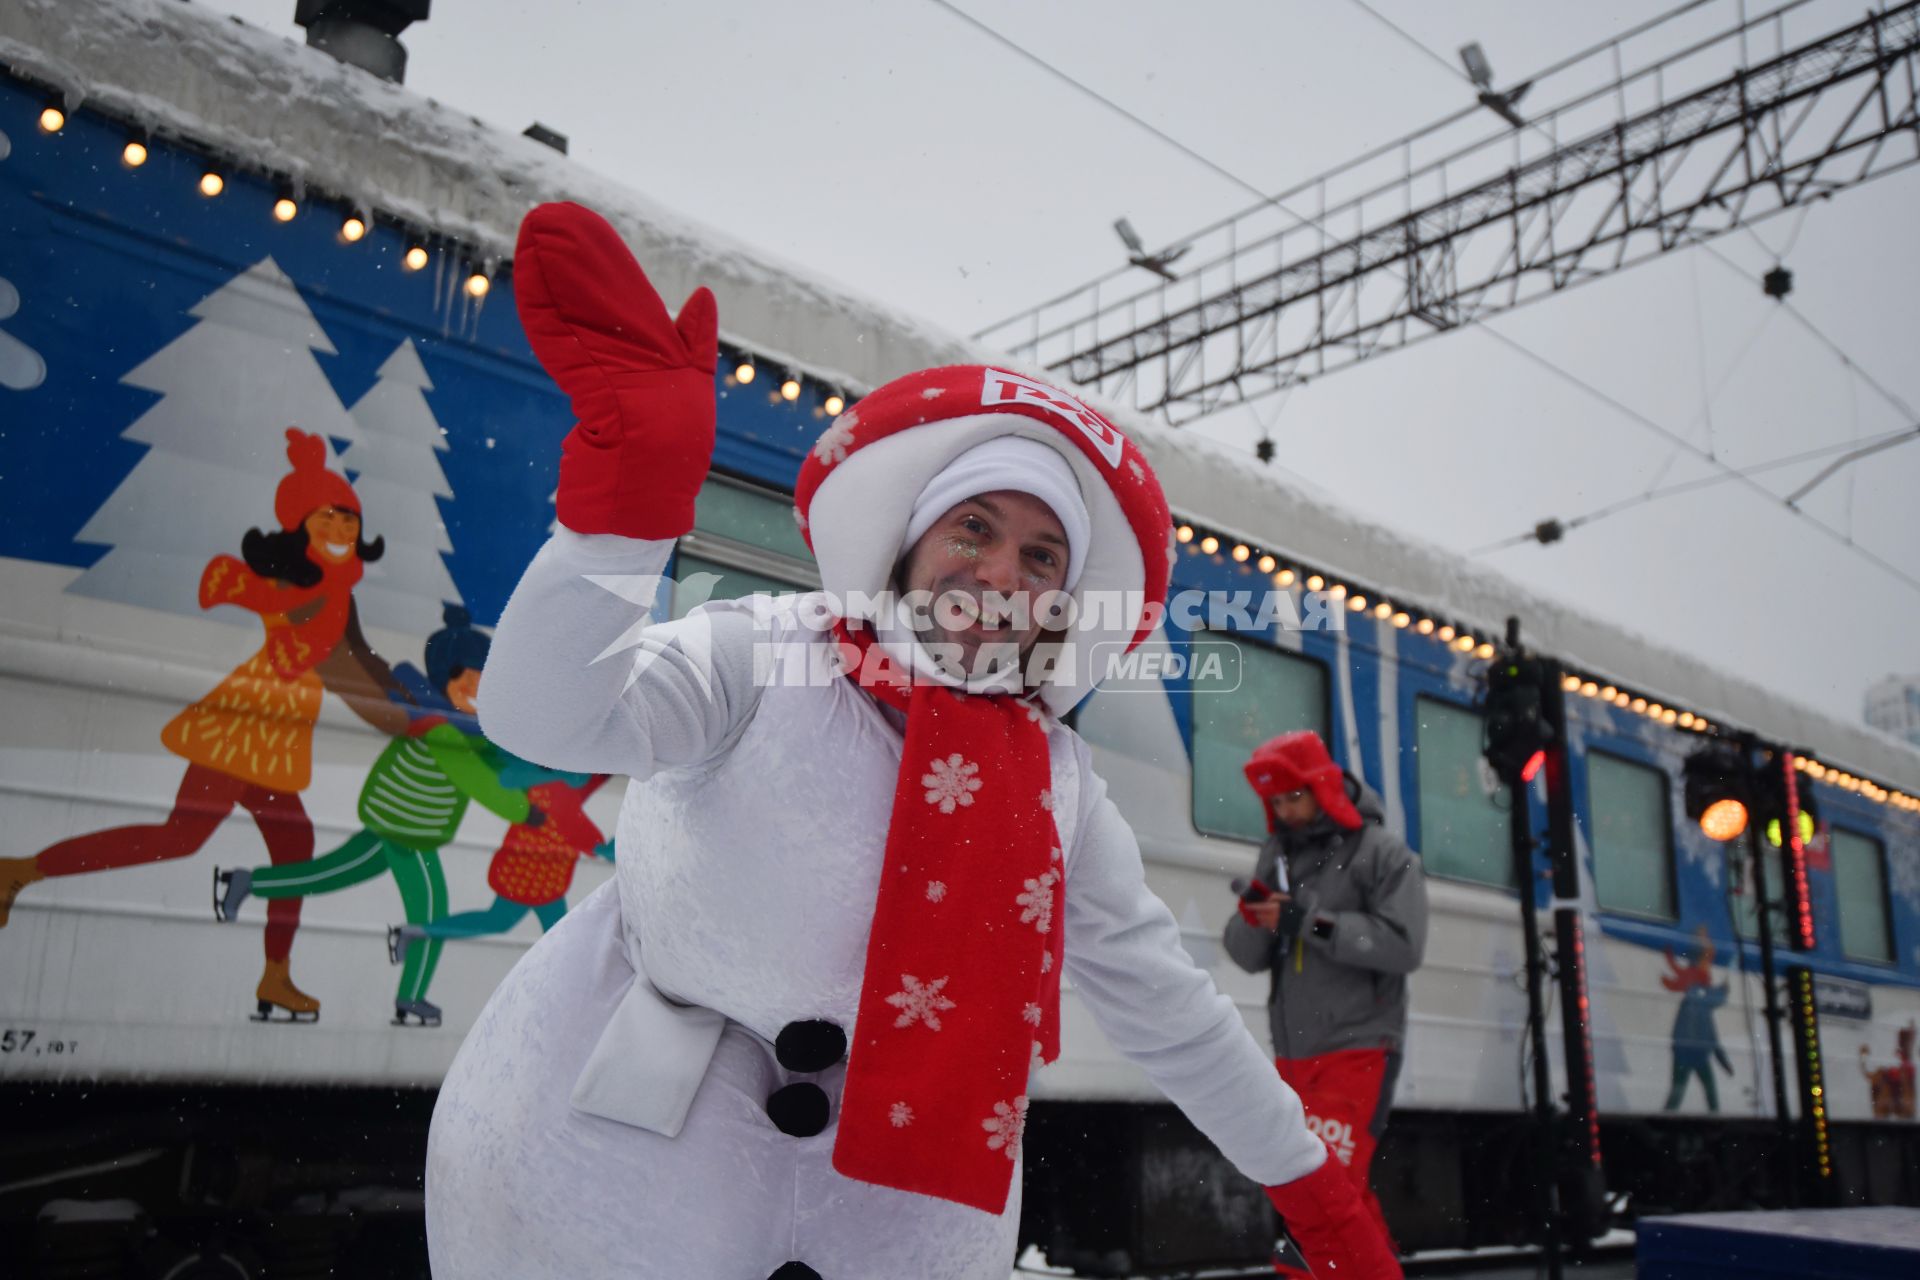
1839 1244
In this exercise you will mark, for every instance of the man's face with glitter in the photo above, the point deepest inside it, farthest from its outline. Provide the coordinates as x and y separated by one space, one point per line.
989 549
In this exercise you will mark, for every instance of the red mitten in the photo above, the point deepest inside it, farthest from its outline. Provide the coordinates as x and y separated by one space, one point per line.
641 384
1334 1231
561 804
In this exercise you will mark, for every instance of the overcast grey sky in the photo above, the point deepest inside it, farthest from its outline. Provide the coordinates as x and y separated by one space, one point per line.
892 146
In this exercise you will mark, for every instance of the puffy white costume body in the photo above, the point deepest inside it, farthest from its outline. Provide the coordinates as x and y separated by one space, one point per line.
608 1114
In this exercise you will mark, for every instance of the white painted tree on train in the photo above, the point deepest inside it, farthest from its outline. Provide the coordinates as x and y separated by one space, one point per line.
216 442
396 471
21 368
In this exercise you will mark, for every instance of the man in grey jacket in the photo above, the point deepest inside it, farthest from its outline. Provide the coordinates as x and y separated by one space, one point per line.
1337 914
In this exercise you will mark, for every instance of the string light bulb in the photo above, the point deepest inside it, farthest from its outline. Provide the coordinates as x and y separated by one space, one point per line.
1402 620
212 184
1425 626
1209 544
1465 644
1357 603
1485 650
1265 564
134 154
743 372
833 405
1383 611
1589 690
1240 552
1284 578
284 209
353 228
1338 591
52 119
790 389
1183 534
478 285
1315 582
1444 635
415 257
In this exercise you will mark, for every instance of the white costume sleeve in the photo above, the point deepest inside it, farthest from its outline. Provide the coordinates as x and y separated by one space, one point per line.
1124 958
576 681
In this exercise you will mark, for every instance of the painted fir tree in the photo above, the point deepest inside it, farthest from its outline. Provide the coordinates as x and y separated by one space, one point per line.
230 387
21 368
396 471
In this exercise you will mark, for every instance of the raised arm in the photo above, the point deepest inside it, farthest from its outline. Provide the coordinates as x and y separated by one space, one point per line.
574 682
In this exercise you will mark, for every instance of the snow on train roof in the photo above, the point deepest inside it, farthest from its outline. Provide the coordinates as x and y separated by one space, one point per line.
275 105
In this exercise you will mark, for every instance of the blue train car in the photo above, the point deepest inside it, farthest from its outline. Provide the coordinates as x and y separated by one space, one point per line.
212 237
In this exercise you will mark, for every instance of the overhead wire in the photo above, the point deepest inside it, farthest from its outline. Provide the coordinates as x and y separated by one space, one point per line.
1731 473
1394 27
1706 482
1844 538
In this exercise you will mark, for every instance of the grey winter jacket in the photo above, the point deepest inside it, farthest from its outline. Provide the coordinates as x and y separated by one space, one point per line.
1348 990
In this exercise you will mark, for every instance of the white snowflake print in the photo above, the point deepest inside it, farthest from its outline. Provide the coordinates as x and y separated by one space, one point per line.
1036 902
1054 853
1046 962
900 1114
933 393
951 782
1047 800
1031 1014
1004 1127
1036 713
919 1002
834 442
936 890
1139 472
800 519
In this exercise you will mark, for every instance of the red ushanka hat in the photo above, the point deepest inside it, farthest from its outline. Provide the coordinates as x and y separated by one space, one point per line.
310 485
1299 761
857 490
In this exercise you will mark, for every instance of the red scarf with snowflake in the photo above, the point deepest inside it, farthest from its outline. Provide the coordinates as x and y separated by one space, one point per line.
962 984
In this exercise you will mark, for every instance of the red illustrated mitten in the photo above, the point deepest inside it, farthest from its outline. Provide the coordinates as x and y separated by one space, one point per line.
640 382
565 816
1335 1233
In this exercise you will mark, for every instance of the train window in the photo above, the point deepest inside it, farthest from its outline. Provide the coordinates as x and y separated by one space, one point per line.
1739 879
1278 692
1464 824
1631 834
1860 884
690 590
753 517
748 538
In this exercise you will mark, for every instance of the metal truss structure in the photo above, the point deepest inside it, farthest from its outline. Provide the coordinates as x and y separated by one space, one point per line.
1503 221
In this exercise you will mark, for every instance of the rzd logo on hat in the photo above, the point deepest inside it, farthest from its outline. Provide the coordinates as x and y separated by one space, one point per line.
1003 388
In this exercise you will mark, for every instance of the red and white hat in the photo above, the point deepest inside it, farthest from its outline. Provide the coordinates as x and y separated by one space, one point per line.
857 491
1299 761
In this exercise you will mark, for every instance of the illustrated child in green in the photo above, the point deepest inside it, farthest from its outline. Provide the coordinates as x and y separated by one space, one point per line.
411 805
533 868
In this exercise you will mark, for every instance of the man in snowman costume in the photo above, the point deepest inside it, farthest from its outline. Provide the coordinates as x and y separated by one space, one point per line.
793 1038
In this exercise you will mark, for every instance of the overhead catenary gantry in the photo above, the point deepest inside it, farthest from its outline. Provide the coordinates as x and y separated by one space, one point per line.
1736 126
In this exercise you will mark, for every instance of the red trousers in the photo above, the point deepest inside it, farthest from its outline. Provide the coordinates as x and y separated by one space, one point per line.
205 799
1346 1095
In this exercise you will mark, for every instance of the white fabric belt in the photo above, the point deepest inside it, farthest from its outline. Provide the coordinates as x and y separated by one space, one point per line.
651 1058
